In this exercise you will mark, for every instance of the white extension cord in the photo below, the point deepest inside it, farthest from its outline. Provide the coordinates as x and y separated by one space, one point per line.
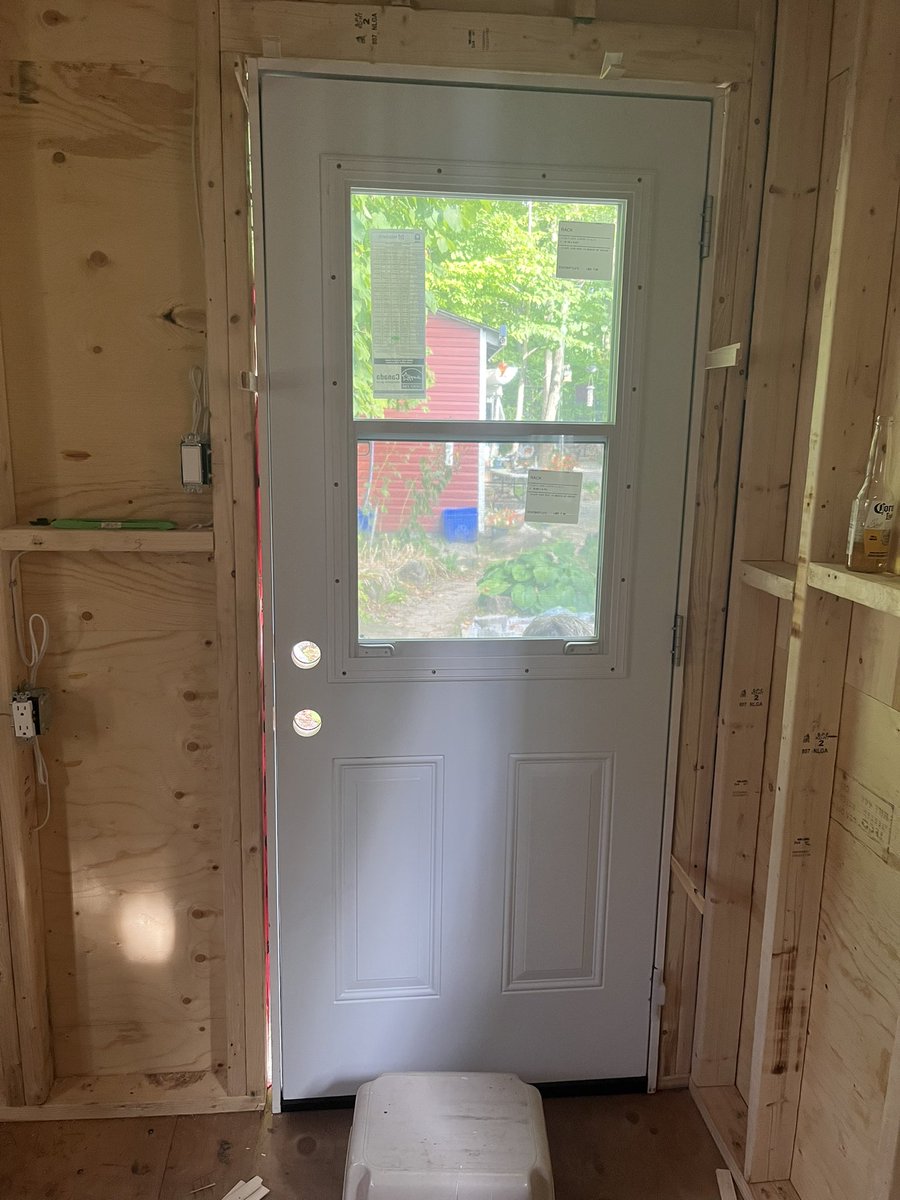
32 656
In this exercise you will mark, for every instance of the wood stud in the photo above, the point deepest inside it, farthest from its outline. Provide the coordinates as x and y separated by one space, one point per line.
736 241
490 41
241 352
210 165
788 222
25 1053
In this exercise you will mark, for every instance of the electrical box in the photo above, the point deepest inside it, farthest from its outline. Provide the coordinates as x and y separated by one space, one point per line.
30 713
196 463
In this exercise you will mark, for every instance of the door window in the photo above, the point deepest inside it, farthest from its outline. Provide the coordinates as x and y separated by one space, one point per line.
486 427
537 282
479 539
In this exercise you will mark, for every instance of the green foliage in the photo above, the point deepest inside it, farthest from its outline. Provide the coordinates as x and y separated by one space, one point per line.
552 576
493 261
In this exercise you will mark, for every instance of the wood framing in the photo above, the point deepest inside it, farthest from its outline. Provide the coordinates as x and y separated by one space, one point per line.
787 970
487 41
108 541
25 1054
776 578
725 1114
736 242
242 407
11 1088
726 1185
209 133
133 1096
788 221
693 893
847 378
885 1183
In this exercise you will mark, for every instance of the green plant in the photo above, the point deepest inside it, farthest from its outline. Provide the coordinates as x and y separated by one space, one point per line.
551 576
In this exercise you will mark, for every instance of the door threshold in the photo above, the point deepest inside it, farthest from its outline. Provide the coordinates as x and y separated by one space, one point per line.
629 1085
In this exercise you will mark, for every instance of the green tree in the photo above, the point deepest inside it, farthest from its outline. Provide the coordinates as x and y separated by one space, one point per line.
494 261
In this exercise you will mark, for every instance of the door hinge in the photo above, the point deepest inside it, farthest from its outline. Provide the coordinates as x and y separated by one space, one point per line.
706 226
657 988
677 639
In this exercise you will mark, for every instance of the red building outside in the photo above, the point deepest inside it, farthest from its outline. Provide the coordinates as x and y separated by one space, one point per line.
396 481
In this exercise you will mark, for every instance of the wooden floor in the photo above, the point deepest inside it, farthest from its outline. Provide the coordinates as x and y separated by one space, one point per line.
603 1148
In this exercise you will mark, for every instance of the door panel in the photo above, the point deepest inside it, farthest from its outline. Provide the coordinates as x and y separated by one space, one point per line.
557 847
388 842
467 849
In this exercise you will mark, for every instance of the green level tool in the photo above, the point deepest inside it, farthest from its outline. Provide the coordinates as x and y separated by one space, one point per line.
92 523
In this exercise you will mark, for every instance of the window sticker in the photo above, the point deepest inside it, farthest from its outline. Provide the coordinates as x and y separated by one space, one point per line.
553 496
584 250
398 313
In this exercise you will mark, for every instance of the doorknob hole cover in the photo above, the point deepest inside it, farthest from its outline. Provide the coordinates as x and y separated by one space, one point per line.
307 722
306 655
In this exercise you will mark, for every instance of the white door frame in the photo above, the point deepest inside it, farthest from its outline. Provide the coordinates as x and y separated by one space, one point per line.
718 100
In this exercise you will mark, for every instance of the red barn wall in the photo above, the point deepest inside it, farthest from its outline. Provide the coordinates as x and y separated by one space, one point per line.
454 362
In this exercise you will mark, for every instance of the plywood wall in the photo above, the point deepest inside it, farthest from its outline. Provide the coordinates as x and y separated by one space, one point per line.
101 293
102 311
132 854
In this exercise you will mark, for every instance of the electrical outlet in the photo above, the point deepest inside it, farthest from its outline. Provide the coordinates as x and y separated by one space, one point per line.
30 713
23 719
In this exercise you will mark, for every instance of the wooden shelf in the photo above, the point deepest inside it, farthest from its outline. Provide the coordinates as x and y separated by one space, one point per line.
776 578
881 592
112 541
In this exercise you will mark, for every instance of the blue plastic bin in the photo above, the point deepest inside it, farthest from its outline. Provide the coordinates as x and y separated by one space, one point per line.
460 524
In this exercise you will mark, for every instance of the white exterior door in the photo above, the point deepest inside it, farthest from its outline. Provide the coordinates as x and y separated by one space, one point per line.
477 368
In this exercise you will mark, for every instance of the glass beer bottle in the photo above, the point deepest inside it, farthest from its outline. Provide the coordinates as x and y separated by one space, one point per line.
872 514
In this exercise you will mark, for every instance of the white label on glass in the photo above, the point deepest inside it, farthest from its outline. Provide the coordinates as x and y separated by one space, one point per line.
553 496
584 250
398 313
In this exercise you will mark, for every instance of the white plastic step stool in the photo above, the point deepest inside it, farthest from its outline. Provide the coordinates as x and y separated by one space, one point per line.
448 1137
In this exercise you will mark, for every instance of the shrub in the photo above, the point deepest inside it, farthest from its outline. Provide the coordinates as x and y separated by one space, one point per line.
551 576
